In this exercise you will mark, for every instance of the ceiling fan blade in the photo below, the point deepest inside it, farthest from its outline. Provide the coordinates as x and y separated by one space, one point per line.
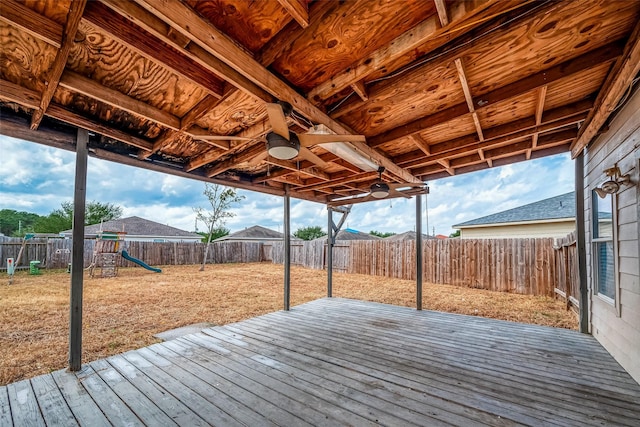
307 154
259 158
399 185
278 120
394 192
308 139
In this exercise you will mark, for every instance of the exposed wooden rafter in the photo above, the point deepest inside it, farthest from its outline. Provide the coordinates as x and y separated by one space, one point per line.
55 71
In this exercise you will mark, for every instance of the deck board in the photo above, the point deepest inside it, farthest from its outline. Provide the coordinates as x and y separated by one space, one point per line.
342 362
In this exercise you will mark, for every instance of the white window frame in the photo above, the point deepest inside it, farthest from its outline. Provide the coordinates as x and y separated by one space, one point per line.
615 302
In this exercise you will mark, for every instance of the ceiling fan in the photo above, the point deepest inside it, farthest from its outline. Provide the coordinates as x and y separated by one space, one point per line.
381 189
283 144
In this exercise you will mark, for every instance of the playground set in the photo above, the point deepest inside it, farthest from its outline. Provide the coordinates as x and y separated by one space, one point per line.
105 254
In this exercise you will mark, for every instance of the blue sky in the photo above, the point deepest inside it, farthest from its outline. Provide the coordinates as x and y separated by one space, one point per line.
37 178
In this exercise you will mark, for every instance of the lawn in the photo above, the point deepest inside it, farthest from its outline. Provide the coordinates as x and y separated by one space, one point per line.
125 312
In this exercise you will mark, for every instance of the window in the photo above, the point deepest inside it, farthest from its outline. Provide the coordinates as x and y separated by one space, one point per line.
603 248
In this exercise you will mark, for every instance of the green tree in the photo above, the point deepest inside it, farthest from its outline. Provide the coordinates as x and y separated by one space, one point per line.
382 234
15 223
309 233
216 234
220 198
62 218
455 234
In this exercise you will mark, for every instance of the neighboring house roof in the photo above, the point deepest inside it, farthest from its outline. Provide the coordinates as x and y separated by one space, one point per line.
136 226
351 234
407 235
554 208
257 233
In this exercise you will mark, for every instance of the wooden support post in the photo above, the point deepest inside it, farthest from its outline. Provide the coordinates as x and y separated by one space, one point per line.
330 252
77 252
581 244
419 252
287 249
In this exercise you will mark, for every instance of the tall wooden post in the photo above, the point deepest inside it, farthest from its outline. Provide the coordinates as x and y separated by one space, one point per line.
77 252
581 244
419 252
330 252
287 250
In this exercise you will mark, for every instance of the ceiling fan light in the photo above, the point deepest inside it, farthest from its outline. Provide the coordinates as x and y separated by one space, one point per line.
281 148
379 190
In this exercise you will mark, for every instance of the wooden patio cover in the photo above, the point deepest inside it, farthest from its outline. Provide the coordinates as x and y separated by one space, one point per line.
438 87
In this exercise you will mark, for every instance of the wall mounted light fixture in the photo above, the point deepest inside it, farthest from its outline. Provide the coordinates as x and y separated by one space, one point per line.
612 185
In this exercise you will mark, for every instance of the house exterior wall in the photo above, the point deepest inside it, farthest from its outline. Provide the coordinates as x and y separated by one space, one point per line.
617 325
550 229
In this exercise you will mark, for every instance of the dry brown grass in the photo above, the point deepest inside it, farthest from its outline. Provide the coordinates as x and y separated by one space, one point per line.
125 312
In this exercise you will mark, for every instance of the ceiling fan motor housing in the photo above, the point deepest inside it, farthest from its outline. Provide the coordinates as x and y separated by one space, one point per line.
281 148
379 190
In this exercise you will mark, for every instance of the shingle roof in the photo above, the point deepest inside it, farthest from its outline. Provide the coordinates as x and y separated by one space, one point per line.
255 232
137 226
407 235
558 207
351 234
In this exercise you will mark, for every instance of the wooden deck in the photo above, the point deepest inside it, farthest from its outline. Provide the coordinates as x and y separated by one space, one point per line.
342 362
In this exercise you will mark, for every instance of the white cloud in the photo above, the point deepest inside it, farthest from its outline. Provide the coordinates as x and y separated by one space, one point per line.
37 178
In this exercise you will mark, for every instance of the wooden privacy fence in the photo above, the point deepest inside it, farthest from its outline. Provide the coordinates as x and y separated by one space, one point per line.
567 280
524 266
56 253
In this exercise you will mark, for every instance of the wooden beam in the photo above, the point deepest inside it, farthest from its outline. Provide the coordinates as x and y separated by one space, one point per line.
542 96
298 10
587 61
235 160
421 144
92 89
552 119
468 97
360 90
189 23
441 8
203 159
14 93
426 36
295 167
188 120
616 84
446 164
335 182
129 34
55 72
27 20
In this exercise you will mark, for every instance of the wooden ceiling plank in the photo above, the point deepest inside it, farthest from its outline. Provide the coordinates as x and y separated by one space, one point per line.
617 82
429 31
15 13
587 61
298 10
122 30
92 89
218 44
27 97
160 29
55 71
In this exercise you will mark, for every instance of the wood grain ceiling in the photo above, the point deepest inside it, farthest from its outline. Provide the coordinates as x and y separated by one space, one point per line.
438 88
